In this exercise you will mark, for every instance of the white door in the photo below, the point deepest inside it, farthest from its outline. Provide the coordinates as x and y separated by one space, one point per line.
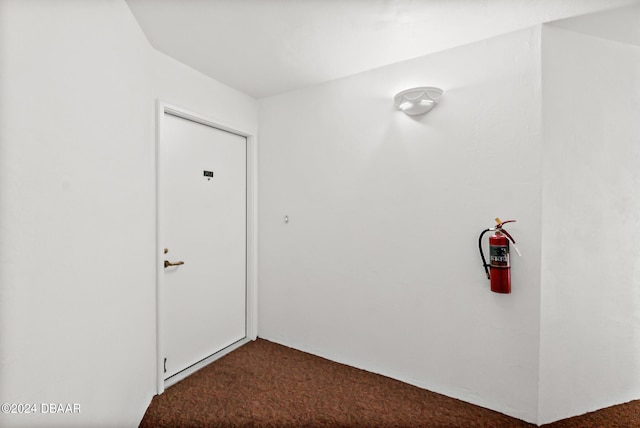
202 222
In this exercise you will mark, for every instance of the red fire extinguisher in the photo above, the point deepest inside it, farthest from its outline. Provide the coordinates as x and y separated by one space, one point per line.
499 268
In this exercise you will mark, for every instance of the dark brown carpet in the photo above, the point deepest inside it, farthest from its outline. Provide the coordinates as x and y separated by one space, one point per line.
264 384
621 416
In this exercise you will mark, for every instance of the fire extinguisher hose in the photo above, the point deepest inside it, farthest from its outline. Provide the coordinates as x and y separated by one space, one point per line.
484 261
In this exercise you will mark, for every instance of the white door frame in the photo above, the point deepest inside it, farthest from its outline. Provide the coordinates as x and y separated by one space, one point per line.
251 244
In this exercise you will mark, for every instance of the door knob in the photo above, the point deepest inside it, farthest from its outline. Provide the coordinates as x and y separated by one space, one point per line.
167 263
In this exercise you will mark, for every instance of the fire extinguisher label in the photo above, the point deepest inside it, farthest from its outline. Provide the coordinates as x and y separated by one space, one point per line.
499 255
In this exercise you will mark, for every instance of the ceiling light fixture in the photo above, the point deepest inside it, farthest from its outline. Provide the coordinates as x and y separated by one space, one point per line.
417 101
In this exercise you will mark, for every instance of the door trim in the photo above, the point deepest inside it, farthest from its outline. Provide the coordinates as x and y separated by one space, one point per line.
163 108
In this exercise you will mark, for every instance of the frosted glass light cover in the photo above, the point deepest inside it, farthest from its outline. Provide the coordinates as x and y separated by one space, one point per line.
417 101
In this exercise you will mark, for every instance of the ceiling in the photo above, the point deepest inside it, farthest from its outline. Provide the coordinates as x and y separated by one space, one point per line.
268 47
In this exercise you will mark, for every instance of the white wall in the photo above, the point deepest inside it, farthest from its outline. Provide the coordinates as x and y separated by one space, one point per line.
182 86
590 319
378 267
78 83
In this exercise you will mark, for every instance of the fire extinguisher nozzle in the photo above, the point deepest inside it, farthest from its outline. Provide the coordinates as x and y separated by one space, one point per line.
484 261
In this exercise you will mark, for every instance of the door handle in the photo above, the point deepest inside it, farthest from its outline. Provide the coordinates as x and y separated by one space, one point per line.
167 263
